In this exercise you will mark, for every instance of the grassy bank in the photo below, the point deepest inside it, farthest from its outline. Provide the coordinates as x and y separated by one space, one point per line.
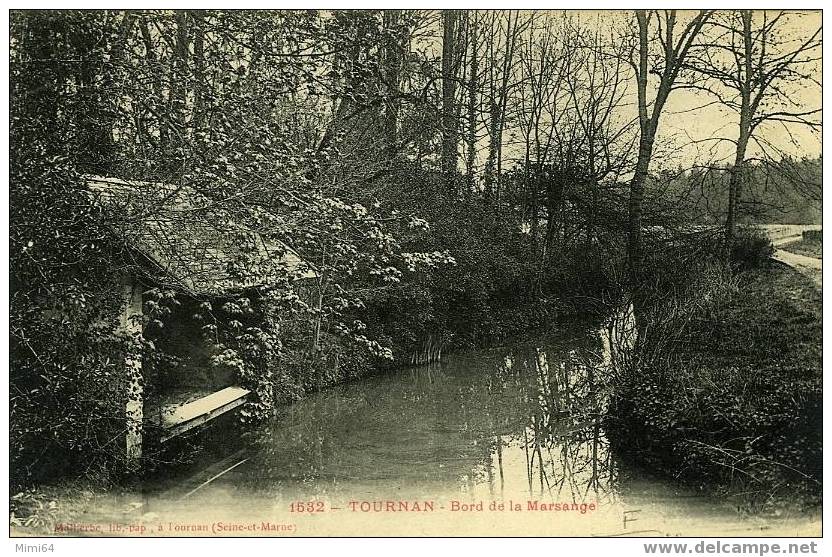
727 395
46 509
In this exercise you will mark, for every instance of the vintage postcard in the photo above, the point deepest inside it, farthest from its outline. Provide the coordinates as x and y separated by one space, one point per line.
415 272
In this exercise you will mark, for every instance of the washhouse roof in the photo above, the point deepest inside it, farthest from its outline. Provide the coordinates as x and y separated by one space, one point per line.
195 243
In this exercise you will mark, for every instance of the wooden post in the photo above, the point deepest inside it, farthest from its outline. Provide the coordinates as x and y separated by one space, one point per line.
134 410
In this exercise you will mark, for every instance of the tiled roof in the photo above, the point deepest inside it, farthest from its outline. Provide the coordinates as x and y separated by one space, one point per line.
196 244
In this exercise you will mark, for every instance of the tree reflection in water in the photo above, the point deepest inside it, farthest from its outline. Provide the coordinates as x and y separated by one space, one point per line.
505 424
563 395
491 424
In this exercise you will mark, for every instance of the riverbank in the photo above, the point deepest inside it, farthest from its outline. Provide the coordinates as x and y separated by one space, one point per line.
727 396
44 509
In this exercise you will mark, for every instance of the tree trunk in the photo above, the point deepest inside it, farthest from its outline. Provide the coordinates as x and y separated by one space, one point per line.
159 109
199 69
449 123
460 72
645 152
491 160
736 177
634 239
738 170
345 104
472 109
392 68
100 153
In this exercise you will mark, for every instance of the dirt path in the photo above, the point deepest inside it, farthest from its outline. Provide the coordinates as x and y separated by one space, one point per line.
809 266
782 235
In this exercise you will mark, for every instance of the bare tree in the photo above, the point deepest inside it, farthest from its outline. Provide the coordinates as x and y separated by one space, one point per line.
750 67
504 32
666 65
540 99
596 79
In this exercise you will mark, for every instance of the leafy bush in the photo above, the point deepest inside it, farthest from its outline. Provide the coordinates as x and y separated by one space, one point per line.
751 249
742 429
813 236
67 393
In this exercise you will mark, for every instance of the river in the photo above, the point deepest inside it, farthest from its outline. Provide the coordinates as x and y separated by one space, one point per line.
504 441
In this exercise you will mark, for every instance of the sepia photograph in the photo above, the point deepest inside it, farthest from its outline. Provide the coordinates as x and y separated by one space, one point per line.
312 273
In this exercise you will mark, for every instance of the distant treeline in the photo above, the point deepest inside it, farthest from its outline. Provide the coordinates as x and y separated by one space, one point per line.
788 192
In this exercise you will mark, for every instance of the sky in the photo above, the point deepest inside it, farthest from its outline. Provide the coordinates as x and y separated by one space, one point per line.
683 124
691 123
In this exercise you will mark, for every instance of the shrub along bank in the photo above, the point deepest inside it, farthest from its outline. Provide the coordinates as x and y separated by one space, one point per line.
726 395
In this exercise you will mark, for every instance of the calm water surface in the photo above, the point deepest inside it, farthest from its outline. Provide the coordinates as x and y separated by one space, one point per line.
517 426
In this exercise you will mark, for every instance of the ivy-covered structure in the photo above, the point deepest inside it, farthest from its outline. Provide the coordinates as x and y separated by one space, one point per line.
195 252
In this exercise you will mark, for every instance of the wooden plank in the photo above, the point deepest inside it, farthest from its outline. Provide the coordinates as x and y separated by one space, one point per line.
188 416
